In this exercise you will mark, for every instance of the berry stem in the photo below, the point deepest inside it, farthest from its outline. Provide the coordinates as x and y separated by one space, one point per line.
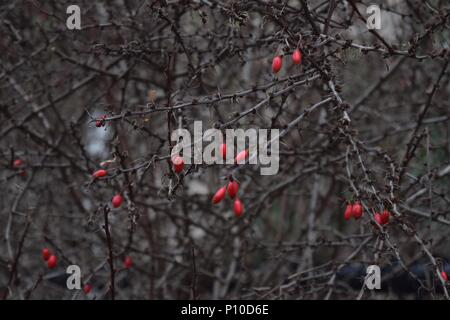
110 258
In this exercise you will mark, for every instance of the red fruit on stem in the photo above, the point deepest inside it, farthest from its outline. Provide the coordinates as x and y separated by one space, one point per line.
100 173
100 122
385 217
277 62
51 262
17 163
46 254
238 208
357 210
117 201
348 212
297 56
241 156
87 288
382 218
127 263
233 188
219 195
178 164
444 276
378 218
223 151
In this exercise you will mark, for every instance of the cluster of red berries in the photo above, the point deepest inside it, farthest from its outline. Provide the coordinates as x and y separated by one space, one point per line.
277 62
49 257
353 210
100 122
232 187
356 211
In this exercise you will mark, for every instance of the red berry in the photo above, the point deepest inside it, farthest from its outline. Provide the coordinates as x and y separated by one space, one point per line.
233 188
348 212
444 276
17 163
238 208
98 123
385 217
378 218
223 151
178 164
297 56
51 262
219 195
357 210
382 218
46 254
100 173
127 262
87 288
241 156
117 201
277 62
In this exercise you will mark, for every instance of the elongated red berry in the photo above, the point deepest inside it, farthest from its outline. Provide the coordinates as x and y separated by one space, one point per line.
219 195
117 201
357 210
128 262
277 62
178 164
87 288
223 151
238 208
233 188
348 212
241 156
51 262
444 276
17 163
297 56
100 173
46 254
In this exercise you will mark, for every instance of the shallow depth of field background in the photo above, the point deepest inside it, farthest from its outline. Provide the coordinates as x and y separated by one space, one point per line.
153 66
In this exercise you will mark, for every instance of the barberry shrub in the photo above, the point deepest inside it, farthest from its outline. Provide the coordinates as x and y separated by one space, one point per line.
87 169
